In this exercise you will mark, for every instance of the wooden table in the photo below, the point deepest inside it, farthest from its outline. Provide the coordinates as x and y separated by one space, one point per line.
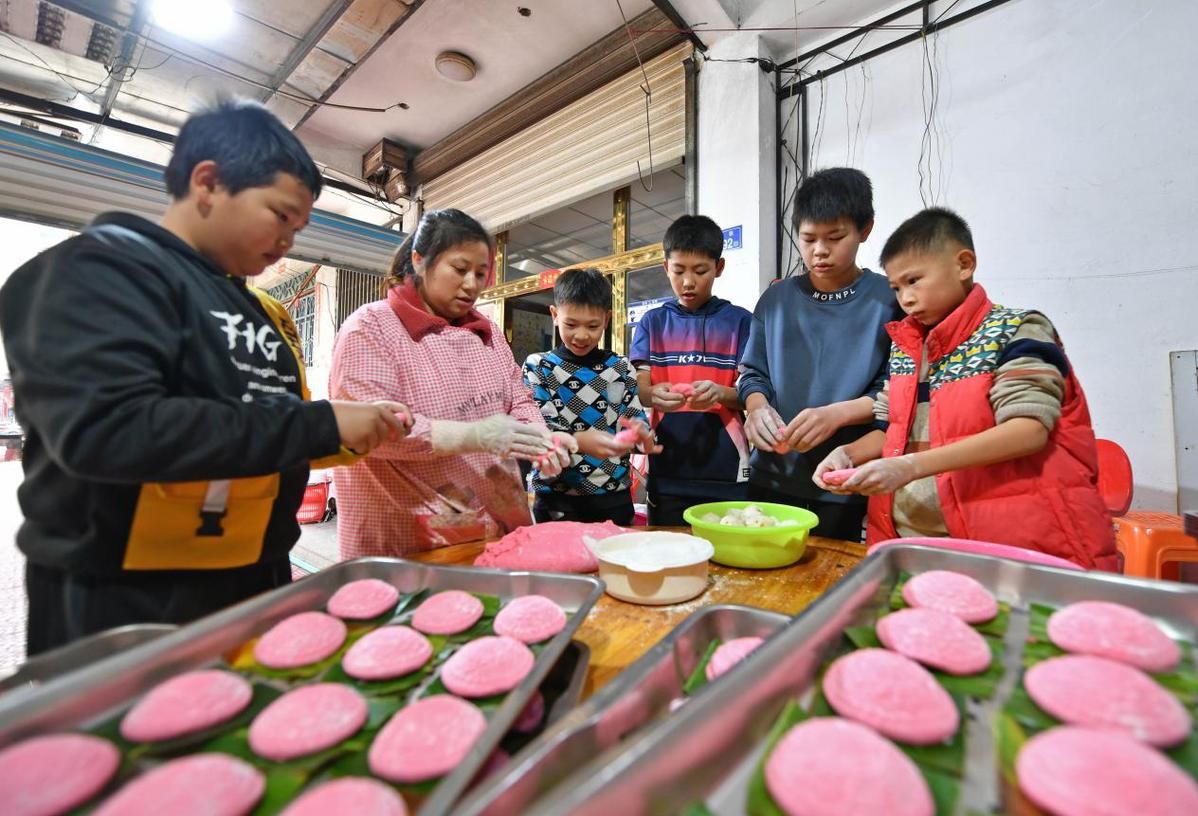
617 632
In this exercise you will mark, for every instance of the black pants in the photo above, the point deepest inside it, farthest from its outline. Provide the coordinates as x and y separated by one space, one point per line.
65 607
666 511
615 507
836 520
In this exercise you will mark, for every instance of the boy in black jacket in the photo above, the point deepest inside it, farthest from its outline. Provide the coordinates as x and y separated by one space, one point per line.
168 432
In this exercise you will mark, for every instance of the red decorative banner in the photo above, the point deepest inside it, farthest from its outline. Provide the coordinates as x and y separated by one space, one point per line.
547 278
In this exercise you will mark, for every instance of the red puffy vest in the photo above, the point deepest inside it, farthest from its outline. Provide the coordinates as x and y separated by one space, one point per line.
1048 501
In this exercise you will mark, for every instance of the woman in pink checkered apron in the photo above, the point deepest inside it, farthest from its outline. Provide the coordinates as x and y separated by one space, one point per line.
454 478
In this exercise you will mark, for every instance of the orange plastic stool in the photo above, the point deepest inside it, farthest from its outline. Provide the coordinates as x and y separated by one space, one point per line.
1149 541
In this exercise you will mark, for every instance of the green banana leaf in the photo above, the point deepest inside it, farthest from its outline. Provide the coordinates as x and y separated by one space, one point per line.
1023 712
980 686
759 801
442 649
485 625
698 678
945 788
996 627
110 729
383 618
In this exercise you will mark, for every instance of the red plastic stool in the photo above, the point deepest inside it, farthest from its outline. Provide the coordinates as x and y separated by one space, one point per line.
315 504
1150 541
1115 481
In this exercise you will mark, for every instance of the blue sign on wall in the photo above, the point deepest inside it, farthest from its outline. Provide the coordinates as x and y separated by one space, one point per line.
732 238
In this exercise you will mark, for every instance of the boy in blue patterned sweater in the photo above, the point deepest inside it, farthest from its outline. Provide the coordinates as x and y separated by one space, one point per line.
591 393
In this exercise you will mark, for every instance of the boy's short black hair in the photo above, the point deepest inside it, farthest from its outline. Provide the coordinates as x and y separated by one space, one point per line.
582 287
249 145
694 233
927 230
838 192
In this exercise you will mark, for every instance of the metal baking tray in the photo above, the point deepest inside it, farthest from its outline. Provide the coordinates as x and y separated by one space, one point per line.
638 695
90 695
561 690
707 753
65 659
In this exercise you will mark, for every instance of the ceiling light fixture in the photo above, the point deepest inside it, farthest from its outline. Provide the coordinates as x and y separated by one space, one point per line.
455 66
196 21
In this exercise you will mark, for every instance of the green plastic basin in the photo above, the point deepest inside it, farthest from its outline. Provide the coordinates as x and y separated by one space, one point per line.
753 547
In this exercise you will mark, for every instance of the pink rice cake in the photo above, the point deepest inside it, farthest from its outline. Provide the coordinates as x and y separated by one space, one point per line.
628 436
1076 771
55 773
532 716
307 720
892 694
554 546
951 592
935 638
447 613
1114 631
839 477
196 785
187 704
496 762
387 653
685 389
729 653
1101 693
426 740
530 619
349 795
828 766
363 600
487 666
300 640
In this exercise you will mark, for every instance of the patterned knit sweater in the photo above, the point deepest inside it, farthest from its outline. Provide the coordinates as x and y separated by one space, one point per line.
575 395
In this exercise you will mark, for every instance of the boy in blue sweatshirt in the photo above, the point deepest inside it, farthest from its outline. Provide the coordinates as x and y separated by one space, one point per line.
817 353
693 345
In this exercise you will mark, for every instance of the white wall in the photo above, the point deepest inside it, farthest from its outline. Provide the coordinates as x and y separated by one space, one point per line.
20 241
737 132
1069 136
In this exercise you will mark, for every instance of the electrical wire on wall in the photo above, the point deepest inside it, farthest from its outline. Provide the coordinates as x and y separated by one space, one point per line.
930 165
648 91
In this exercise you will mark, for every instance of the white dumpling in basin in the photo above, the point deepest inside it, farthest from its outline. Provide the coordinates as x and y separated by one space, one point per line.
711 518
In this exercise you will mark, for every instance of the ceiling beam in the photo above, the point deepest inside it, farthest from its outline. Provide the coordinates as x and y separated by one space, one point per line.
304 47
667 8
608 59
402 13
124 61
89 10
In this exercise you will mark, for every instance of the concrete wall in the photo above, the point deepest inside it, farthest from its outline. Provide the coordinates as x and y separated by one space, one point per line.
736 139
1065 134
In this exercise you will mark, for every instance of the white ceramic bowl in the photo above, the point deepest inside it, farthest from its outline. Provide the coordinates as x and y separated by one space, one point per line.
654 567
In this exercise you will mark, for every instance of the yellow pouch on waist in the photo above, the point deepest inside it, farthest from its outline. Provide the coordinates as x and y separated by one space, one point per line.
174 530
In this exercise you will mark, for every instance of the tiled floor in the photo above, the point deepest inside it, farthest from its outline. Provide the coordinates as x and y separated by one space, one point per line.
317 549
12 571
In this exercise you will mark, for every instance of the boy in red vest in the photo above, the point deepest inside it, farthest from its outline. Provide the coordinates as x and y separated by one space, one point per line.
983 430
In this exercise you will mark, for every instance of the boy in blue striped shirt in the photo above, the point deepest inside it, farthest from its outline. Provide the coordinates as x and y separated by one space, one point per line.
686 353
